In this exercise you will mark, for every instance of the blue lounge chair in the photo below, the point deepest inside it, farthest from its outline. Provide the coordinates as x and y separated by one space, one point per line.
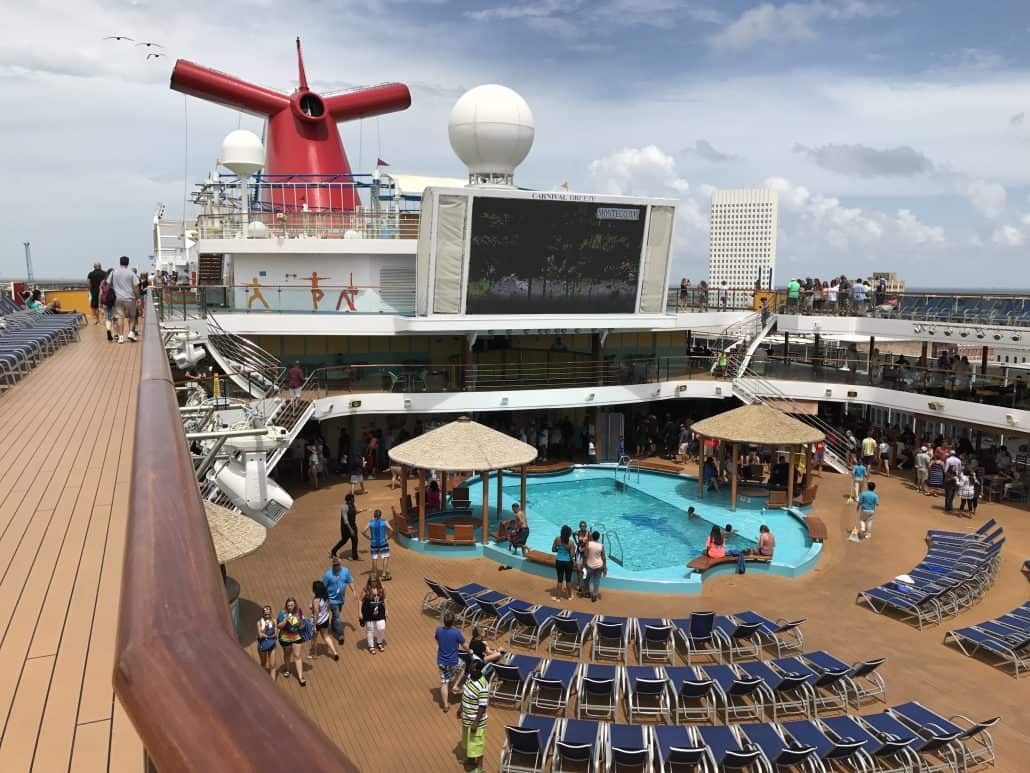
974 745
570 631
781 635
866 681
777 751
882 752
830 688
551 687
697 633
654 638
692 694
934 535
598 690
629 748
786 693
497 616
510 678
528 628
726 749
973 641
830 747
923 608
681 748
740 640
464 606
741 695
527 745
577 745
646 691
934 751
436 600
611 638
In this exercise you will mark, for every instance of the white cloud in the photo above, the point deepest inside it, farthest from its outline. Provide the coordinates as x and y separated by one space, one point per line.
1008 236
988 198
790 22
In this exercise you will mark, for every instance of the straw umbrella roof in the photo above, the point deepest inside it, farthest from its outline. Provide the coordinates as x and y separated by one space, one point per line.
235 535
463 446
758 424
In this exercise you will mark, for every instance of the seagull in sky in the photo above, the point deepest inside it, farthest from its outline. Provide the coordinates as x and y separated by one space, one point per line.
154 56
120 37
149 45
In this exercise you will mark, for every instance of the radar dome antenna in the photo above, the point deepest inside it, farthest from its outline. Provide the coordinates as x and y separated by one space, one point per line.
491 130
301 75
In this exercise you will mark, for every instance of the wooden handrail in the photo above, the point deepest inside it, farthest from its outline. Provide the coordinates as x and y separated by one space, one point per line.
196 699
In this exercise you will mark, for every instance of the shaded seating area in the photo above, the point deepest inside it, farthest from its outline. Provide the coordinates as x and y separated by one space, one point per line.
761 426
460 447
955 573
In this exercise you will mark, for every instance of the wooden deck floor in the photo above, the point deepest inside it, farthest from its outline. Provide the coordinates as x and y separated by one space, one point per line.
383 709
64 488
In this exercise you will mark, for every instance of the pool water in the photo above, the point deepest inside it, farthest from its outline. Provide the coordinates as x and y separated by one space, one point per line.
649 514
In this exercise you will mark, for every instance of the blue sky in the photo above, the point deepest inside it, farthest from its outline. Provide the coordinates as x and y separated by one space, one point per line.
898 134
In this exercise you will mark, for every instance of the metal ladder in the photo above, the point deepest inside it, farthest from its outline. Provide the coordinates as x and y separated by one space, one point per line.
627 466
610 540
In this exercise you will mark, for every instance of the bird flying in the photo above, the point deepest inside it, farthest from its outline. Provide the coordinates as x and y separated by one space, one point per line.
150 45
119 37
154 56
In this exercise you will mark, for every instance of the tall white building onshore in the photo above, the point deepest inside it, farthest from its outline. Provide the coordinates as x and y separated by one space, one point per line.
742 242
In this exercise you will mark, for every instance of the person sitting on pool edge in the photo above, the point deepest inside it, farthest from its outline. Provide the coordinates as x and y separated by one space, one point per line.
715 547
522 530
766 543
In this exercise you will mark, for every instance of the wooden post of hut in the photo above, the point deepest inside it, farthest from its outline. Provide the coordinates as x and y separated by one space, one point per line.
486 505
422 505
500 494
443 490
790 477
522 488
733 476
809 473
404 492
701 466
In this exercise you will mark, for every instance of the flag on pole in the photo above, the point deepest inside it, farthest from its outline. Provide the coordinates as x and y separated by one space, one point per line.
380 162
564 185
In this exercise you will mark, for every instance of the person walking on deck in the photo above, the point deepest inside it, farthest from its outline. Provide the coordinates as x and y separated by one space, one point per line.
291 624
266 638
378 533
295 380
449 644
373 614
94 278
126 296
866 509
859 473
348 528
321 617
475 698
336 579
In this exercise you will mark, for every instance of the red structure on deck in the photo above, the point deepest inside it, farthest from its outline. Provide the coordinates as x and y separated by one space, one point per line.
302 137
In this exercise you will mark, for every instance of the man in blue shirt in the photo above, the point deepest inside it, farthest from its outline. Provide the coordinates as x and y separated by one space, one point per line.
859 472
449 642
336 580
866 508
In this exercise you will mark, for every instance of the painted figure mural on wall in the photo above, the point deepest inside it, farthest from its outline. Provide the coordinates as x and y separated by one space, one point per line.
255 294
317 294
348 294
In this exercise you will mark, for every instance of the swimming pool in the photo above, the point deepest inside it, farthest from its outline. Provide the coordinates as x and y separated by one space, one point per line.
648 512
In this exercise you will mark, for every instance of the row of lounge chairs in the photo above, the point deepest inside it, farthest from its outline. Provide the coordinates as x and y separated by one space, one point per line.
28 337
739 636
909 737
955 573
1006 636
804 686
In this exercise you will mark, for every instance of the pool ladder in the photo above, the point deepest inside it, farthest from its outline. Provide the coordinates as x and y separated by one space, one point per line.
627 466
610 540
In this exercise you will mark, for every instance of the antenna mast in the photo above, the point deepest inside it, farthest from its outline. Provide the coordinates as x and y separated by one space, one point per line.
29 278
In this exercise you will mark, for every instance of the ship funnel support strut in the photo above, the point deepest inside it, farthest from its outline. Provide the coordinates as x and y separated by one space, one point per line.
302 138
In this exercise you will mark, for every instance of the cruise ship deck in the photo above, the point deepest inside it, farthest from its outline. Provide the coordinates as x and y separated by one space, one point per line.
67 469
63 522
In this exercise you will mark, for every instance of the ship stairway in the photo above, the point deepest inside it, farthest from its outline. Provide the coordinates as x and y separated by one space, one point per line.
291 415
250 367
737 337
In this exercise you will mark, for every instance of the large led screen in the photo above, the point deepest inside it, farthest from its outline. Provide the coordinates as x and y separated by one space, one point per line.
531 256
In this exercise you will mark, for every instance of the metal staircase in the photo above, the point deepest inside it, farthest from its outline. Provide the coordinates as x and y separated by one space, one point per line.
292 415
751 388
249 366
742 333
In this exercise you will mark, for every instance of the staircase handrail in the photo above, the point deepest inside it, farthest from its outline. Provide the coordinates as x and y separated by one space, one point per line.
745 361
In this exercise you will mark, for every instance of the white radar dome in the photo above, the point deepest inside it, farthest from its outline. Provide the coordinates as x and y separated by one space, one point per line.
491 131
242 153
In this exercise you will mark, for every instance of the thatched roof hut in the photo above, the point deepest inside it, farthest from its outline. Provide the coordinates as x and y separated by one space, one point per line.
759 425
463 446
235 535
